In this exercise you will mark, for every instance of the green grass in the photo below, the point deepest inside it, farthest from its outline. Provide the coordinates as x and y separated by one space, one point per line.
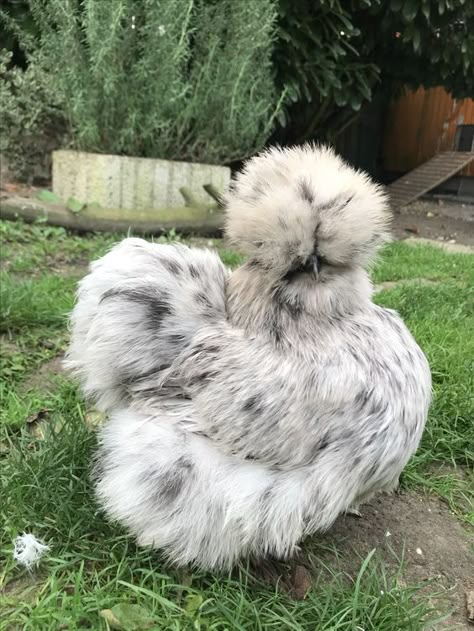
92 565
34 302
38 248
400 261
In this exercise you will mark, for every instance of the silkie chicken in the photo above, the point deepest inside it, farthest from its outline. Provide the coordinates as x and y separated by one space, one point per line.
249 409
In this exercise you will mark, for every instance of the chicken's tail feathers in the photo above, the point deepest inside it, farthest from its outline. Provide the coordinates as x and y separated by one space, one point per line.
176 491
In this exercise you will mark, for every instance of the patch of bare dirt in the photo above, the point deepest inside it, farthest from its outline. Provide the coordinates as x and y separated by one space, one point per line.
411 526
10 187
70 270
442 220
422 529
45 376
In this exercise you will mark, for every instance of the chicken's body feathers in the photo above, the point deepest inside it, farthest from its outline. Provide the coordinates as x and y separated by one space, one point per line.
249 410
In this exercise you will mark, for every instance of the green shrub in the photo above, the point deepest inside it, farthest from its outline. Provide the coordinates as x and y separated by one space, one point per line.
174 79
32 122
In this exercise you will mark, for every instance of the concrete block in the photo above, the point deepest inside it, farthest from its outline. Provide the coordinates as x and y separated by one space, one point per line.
132 183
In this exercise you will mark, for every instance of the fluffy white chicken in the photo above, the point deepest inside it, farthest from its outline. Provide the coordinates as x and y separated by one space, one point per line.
248 410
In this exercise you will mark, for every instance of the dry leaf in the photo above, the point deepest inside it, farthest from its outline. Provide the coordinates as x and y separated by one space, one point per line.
38 416
111 619
94 418
300 582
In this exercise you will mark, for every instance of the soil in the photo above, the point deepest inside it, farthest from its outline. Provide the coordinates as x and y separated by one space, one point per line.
443 220
420 529
45 376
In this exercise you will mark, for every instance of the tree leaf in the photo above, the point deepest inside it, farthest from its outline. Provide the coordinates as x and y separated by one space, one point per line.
128 617
410 9
416 41
356 102
364 88
340 98
48 196
74 205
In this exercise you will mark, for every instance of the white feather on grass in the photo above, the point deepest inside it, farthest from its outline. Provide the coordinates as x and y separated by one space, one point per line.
28 550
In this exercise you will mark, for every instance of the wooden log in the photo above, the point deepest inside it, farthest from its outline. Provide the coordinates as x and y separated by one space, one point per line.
200 219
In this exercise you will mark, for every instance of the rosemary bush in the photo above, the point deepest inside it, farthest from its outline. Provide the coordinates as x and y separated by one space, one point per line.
174 79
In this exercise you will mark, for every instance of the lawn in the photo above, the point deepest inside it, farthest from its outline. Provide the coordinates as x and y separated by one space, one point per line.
94 574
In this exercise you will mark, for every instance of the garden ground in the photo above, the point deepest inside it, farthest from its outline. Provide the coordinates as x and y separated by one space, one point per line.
443 219
367 573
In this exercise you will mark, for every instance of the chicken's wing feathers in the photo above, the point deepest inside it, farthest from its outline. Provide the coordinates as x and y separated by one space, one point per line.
137 309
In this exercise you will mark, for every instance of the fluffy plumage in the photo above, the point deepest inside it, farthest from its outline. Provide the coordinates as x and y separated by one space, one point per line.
250 409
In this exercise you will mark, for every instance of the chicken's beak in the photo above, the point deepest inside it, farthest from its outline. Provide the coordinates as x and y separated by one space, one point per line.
315 264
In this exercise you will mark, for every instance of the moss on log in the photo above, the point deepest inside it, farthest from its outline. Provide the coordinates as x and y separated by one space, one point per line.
197 219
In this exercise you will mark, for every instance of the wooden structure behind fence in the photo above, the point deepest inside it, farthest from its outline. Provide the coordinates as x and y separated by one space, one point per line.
421 124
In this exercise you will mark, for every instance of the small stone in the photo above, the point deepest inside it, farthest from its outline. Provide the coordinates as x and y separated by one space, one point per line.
419 551
470 605
353 511
413 229
452 241
388 534
429 214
